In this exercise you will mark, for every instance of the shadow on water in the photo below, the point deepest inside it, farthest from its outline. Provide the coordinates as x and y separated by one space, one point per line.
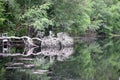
95 60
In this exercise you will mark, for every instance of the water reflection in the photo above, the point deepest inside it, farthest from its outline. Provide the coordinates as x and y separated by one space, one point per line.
99 60
96 60
53 53
35 64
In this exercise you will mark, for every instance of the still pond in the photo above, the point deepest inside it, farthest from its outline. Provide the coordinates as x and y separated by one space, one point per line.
86 60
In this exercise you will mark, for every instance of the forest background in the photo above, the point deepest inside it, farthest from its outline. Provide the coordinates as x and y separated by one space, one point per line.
77 17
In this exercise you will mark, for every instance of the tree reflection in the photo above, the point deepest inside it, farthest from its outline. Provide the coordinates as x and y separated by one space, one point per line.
97 60
92 61
35 65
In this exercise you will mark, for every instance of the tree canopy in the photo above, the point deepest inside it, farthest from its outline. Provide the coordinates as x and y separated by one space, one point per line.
75 17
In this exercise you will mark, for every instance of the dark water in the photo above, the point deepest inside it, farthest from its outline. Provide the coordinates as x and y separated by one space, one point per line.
94 60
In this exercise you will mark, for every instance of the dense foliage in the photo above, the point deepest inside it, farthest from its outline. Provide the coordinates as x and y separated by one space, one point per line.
18 17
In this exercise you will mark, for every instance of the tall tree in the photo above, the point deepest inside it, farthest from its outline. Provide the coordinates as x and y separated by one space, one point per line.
37 17
72 16
11 13
2 17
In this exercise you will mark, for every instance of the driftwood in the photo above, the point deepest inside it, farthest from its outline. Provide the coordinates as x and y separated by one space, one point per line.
25 59
9 68
60 55
11 55
49 42
62 39
50 46
28 66
55 53
40 71
3 55
29 42
65 39
10 64
36 71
